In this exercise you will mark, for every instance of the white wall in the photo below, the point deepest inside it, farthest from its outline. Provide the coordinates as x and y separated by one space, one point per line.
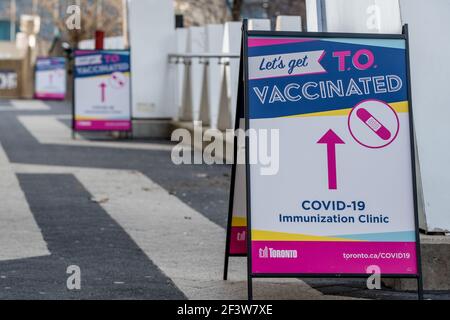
181 36
231 45
196 45
429 29
289 23
313 19
214 43
259 24
152 38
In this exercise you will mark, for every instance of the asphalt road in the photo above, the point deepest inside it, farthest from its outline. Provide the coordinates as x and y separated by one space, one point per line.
74 215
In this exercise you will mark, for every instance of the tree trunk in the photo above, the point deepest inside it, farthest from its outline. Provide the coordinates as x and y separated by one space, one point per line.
236 11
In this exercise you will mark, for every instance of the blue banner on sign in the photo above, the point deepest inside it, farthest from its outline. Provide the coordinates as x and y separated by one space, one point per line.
319 75
95 63
54 63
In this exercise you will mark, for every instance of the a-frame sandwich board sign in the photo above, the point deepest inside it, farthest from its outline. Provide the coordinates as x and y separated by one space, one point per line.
344 198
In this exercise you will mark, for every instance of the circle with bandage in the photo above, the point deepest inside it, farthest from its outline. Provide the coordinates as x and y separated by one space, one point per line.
118 80
374 124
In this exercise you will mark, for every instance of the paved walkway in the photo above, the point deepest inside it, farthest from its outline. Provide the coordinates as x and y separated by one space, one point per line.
138 226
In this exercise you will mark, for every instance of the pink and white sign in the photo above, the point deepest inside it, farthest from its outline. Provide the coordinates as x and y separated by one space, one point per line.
343 197
50 78
102 91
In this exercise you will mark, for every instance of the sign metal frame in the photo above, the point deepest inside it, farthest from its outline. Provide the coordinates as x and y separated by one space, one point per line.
238 116
243 107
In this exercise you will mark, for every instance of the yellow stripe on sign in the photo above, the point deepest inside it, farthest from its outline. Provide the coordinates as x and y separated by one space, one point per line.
399 107
333 113
239 222
259 235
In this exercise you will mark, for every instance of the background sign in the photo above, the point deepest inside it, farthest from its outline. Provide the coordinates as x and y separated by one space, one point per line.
11 78
343 198
50 78
8 80
102 91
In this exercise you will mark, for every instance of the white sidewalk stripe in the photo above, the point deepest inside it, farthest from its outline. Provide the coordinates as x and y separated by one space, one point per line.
29 105
49 130
184 244
20 236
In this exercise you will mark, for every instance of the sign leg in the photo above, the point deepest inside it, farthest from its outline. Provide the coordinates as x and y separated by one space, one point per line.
250 288
419 287
228 239
225 268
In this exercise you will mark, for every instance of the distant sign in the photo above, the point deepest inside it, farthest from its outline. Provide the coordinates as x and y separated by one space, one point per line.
102 91
8 80
50 78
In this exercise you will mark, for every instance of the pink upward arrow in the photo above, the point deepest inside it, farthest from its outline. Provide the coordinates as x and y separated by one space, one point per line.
103 88
331 139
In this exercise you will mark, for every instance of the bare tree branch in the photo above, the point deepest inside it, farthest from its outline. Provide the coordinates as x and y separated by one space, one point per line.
202 12
110 18
236 10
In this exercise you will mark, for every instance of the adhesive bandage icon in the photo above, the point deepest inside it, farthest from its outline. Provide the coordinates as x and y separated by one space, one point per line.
376 126
373 124
118 80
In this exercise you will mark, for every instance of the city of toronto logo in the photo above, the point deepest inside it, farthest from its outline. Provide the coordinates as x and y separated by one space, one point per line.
271 253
